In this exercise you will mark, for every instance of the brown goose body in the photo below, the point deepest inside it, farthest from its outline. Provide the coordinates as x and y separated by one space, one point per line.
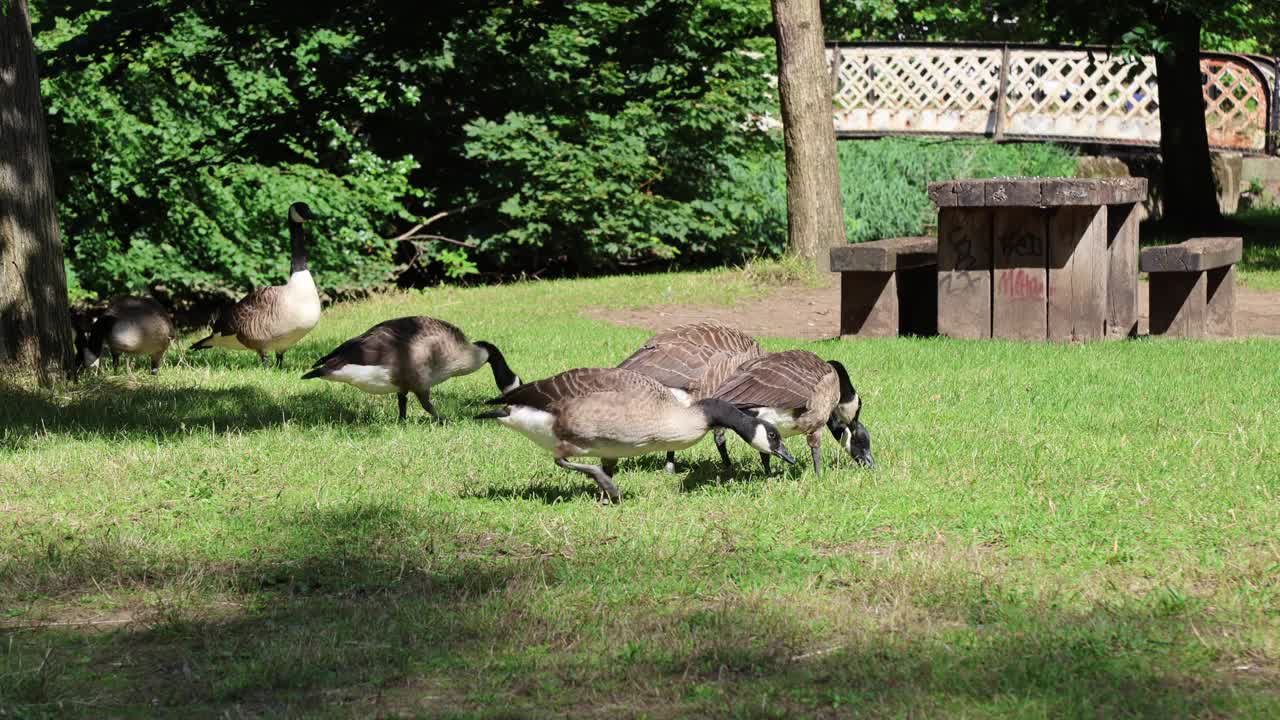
272 319
410 355
798 392
129 325
691 360
612 413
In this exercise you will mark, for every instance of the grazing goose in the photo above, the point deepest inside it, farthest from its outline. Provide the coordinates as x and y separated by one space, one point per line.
273 319
800 392
612 413
133 325
409 355
691 360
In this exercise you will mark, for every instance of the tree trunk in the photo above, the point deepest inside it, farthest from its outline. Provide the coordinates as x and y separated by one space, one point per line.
1188 195
35 322
815 215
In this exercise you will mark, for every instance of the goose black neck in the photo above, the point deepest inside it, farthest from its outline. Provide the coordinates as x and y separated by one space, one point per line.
299 257
721 414
502 374
89 345
846 386
98 334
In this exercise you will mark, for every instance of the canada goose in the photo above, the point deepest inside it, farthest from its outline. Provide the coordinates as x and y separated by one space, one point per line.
612 413
273 319
800 392
691 360
133 325
409 355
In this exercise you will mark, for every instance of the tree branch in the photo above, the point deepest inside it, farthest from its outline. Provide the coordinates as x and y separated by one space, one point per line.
410 233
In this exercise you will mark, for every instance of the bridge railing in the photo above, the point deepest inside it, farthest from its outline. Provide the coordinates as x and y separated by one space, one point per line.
1035 92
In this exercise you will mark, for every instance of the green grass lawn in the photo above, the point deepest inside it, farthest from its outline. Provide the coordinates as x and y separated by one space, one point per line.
1053 531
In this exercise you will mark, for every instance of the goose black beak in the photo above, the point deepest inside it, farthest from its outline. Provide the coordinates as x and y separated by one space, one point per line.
785 454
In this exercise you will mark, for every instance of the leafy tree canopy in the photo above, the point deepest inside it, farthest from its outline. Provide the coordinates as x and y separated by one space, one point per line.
583 135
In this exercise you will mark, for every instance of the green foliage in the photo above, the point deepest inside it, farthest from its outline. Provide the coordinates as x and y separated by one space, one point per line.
884 182
583 136
177 158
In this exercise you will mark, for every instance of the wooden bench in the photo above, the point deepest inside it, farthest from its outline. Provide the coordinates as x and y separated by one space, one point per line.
1193 286
888 287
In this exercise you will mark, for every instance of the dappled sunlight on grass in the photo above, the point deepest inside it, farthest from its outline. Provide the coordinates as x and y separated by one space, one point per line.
1063 531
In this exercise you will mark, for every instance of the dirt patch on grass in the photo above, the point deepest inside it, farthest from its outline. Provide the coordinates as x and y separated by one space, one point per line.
809 313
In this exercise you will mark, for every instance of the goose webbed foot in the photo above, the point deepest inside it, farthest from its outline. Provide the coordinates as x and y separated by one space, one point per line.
403 401
115 362
671 463
279 360
266 362
597 473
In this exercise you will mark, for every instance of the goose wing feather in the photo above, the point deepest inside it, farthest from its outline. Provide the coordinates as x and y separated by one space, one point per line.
677 357
381 343
583 382
777 380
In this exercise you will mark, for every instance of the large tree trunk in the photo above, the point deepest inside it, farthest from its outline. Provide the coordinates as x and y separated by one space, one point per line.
1188 196
815 215
35 324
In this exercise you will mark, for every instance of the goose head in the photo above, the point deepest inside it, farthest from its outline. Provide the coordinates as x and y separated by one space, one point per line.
86 357
760 434
299 213
854 438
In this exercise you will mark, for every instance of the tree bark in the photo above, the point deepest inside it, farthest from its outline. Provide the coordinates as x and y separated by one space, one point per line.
35 322
815 214
1188 196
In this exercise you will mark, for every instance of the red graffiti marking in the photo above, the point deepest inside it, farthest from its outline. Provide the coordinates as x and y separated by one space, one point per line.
1018 283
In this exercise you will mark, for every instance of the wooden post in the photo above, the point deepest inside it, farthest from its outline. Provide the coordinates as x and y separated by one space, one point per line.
1178 302
1220 302
1077 274
869 304
1002 93
964 272
1122 279
1020 276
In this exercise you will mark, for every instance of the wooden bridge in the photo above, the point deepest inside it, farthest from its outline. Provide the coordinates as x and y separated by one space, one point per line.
1037 92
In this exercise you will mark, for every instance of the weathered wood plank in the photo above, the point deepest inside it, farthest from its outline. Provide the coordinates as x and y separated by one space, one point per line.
869 304
1220 302
1192 255
885 255
1011 193
1077 273
1038 192
1178 302
1122 277
964 272
1020 276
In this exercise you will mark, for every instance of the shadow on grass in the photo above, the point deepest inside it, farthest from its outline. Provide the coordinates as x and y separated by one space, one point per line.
112 406
548 493
369 610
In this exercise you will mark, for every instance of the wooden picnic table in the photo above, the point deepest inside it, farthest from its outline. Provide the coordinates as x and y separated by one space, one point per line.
1038 258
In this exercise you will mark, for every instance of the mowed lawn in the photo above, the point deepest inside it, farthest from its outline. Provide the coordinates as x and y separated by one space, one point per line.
1052 531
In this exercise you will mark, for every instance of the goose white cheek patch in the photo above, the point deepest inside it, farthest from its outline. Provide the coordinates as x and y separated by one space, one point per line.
760 440
294 216
514 384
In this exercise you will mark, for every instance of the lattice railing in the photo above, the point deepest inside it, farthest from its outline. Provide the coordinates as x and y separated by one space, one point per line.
1026 92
